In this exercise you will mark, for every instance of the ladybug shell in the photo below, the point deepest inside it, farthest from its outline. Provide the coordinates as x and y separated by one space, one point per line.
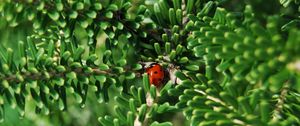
156 74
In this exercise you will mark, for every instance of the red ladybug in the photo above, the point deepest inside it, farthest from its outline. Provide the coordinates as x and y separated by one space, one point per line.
156 74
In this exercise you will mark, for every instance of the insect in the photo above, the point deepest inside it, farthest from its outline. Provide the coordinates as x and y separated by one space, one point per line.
156 74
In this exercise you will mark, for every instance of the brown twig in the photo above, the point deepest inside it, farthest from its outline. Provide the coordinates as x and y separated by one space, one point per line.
53 74
280 101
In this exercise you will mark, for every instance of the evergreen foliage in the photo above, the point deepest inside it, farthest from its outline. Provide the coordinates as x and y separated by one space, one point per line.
229 62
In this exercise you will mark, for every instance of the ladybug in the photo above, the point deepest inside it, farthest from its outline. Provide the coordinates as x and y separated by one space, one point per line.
156 74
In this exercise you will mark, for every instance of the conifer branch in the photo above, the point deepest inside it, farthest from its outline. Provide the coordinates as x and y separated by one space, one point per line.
276 115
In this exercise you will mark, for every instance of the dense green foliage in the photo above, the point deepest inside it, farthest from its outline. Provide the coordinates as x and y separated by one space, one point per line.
229 62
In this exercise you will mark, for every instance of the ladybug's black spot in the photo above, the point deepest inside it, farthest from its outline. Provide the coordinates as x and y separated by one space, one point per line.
160 79
148 74
155 72
153 64
160 70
